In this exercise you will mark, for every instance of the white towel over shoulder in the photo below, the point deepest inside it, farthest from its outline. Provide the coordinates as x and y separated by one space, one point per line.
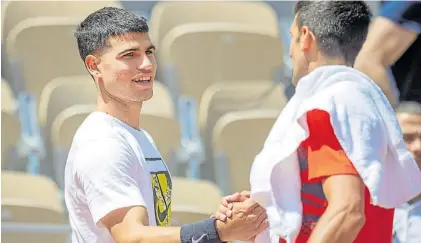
365 126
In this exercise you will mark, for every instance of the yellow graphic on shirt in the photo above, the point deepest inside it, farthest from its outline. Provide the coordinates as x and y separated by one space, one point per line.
161 185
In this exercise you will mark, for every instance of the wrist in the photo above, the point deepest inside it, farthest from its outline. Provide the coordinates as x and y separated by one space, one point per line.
220 230
204 231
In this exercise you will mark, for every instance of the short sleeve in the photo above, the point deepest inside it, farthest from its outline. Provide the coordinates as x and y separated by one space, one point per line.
109 175
325 155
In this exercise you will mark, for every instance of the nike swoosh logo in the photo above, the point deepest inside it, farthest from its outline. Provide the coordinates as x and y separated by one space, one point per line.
198 240
163 215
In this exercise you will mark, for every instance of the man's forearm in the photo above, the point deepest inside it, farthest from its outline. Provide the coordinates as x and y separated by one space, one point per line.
204 232
337 226
153 234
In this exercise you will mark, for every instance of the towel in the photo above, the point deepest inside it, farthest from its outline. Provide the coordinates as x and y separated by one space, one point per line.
367 129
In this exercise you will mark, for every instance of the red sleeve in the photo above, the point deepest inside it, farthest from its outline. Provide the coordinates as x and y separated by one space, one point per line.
325 155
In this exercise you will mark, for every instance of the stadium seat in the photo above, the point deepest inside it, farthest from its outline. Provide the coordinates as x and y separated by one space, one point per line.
193 200
30 199
15 11
237 138
51 52
203 54
10 126
63 92
167 15
221 98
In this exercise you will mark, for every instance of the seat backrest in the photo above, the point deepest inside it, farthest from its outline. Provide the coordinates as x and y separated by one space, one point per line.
167 15
221 98
24 190
31 199
238 137
188 208
63 92
203 54
16 11
51 53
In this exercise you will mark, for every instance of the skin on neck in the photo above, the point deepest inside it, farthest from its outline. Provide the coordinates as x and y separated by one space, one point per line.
128 113
318 59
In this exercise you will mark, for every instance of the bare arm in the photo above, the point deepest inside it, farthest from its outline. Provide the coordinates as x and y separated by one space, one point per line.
130 225
344 216
385 44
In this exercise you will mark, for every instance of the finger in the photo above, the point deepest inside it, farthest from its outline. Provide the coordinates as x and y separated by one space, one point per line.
261 216
236 197
258 210
250 205
224 201
222 209
246 194
220 216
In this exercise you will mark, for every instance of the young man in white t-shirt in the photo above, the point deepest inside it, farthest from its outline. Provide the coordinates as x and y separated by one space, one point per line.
117 186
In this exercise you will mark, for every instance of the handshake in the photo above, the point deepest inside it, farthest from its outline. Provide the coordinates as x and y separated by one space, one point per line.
240 218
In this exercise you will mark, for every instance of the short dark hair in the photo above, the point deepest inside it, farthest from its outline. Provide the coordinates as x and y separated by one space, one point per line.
340 27
93 33
409 107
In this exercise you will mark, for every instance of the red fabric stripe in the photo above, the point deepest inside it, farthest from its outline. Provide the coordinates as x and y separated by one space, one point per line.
313 198
304 176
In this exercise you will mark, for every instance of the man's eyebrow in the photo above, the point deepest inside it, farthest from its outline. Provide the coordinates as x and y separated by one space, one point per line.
130 49
151 47
137 49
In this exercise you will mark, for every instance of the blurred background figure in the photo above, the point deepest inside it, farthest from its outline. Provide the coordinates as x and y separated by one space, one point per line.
407 222
391 55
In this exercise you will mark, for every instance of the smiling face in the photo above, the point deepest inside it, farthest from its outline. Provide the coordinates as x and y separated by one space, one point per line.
125 69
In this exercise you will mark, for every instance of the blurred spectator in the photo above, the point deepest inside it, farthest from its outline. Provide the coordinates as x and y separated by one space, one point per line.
407 222
393 42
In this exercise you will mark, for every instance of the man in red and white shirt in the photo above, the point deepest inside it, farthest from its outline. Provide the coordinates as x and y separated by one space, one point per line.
336 202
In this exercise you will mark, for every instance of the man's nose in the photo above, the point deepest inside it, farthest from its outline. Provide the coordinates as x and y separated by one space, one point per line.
145 63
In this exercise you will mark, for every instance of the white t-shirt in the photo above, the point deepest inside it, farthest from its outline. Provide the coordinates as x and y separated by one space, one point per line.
112 165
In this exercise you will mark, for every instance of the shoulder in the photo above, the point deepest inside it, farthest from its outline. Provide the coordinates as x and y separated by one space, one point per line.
96 127
102 156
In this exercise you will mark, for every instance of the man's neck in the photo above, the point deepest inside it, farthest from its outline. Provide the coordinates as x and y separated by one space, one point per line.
324 61
128 113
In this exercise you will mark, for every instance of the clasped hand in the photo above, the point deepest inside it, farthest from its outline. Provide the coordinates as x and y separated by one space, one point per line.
242 216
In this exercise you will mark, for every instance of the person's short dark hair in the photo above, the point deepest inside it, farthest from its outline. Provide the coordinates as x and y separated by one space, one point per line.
409 107
340 27
93 33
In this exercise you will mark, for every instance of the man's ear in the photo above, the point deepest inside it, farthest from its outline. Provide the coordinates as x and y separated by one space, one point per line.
307 39
91 63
